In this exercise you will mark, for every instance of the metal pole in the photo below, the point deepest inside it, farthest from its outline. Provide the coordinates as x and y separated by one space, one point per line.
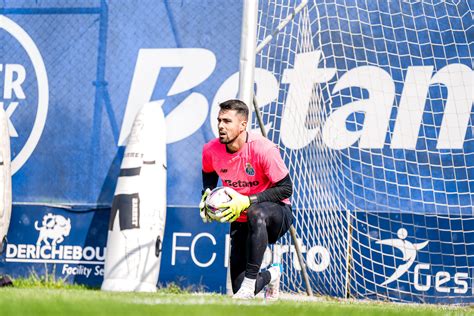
304 271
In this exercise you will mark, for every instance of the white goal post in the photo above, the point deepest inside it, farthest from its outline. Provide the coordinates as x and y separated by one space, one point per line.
248 51
371 105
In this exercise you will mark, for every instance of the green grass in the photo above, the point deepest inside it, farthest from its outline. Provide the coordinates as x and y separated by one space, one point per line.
28 299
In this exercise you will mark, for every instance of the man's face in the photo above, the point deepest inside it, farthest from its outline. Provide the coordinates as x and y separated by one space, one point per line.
230 125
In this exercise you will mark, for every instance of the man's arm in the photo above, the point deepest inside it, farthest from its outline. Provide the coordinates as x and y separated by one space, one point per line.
209 180
280 191
239 202
209 175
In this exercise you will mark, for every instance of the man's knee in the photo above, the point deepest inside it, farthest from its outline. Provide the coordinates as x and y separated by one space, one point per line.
256 215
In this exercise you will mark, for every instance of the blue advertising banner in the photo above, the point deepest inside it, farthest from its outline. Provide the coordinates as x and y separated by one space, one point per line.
413 257
73 77
59 243
70 246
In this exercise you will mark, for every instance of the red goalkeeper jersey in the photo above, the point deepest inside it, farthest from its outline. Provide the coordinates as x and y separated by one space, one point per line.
256 167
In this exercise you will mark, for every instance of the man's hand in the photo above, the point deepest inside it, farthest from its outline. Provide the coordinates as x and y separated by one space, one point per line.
202 207
235 206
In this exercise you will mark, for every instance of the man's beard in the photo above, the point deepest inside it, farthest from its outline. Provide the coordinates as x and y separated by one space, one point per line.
227 140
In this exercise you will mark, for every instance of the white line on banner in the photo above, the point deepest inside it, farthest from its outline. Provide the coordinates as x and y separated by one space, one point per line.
55 261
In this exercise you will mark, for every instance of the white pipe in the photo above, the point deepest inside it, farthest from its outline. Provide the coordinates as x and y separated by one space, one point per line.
248 44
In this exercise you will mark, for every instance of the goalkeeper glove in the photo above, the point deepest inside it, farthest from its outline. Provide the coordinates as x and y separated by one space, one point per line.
202 207
235 206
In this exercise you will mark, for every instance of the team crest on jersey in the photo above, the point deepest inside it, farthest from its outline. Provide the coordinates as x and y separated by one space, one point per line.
249 169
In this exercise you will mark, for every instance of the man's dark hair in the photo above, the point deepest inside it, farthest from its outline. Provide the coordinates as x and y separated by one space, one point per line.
235 105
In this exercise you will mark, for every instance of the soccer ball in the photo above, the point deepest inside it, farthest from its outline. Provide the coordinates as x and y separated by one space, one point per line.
217 196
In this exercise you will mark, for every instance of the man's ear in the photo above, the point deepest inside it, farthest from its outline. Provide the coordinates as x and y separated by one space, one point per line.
243 125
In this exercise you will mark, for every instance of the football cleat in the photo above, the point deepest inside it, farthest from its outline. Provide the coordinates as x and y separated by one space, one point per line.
244 293
272 292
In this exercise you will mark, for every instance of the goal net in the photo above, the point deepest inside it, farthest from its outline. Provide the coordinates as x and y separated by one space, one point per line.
371 104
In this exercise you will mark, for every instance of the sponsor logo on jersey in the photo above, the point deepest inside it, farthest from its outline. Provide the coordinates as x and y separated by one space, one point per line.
241 184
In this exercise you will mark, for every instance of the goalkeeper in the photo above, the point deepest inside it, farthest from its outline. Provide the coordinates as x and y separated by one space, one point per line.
260 210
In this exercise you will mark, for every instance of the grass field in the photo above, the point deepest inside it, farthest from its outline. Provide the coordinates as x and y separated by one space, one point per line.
73 300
